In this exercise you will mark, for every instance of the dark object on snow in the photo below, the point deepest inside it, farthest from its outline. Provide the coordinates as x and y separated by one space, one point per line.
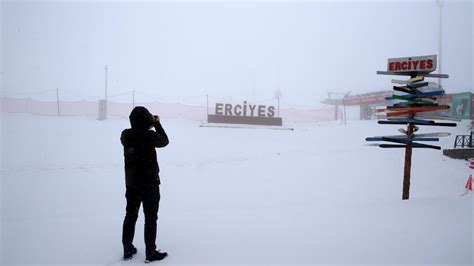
459 153
142 177
464 141
128 254
157 255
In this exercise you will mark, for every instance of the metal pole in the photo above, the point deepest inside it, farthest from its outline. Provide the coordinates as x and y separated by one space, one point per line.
470 140
254 85
106 83
440 4
278 98
344 109
345 116
133 99
278 88
207 104
57 100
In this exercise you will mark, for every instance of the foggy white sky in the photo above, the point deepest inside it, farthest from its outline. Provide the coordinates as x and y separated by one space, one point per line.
179 51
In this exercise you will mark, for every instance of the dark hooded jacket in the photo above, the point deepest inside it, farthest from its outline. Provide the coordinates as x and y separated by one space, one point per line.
139 143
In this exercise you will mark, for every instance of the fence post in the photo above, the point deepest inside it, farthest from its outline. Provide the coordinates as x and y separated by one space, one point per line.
57 100
470 140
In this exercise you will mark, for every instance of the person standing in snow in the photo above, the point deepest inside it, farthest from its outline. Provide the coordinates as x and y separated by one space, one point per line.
142 179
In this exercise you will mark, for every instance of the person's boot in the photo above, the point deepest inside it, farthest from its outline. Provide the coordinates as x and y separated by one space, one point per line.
128 253
156 255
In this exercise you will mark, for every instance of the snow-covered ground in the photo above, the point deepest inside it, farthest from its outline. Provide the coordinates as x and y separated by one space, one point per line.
315 195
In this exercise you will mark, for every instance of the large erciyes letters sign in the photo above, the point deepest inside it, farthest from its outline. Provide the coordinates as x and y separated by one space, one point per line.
245 113
245 110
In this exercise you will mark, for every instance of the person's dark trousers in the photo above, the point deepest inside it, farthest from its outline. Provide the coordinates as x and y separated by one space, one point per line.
151 199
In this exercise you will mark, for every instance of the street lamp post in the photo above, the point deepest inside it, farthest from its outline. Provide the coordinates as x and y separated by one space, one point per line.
440 5
103 103
106 83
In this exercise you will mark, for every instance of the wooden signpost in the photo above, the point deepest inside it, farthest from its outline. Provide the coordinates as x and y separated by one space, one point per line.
414 101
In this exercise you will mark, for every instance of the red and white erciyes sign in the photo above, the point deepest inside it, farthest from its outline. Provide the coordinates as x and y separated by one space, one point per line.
425 64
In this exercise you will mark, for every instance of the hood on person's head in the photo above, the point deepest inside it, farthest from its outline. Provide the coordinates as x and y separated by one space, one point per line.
141 118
